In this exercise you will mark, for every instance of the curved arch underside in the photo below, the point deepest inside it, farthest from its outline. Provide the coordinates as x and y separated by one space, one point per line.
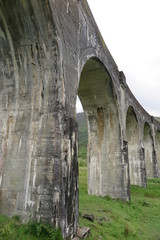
98 98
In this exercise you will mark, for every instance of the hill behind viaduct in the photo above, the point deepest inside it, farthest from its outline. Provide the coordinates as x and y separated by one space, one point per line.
50 51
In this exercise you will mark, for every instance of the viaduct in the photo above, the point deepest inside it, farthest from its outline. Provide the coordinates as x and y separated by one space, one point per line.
50 52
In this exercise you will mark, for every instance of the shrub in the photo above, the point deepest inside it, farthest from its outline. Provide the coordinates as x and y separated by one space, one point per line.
44 231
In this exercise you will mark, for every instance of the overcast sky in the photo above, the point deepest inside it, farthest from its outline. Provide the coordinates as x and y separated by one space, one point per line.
131 30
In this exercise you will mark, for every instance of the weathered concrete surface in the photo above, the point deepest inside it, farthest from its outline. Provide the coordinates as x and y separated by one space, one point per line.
50 51
39 170
132 130
148 146
157 141
98 97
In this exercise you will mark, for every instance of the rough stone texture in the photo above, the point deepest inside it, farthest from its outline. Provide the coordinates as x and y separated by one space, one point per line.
83 232
149 151
50 51
132 130
89 217
157 148
143 167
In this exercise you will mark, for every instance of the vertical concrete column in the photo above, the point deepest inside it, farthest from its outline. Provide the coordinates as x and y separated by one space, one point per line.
125 162
69 212
114 182
154 156
53 187
157 147
40 174
149 154
108 168
132 132
143 167
38 154
94 153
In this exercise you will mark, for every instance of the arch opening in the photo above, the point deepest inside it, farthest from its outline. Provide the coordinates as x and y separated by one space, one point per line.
148 146
97 95
132 133
157 140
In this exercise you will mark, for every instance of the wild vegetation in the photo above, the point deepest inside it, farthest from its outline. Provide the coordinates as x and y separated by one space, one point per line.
13 229
82 137
157 118
114 219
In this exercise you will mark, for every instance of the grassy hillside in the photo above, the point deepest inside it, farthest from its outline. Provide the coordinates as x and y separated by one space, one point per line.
157 118
138 219
82 129
82 136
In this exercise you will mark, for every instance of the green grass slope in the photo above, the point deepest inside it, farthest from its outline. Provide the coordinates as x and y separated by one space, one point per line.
157 118
114 219
82 129
82 137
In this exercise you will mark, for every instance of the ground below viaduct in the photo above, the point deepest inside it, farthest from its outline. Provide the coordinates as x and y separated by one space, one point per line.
50 52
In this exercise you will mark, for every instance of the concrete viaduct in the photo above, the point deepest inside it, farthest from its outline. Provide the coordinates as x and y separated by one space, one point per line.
50 51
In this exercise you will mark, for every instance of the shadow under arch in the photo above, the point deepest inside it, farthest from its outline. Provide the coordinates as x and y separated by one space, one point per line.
157 146
148 147
97 95
132 134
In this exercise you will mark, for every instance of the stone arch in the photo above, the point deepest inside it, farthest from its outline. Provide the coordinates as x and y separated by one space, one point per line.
148 146
157 141
132 134
97 95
